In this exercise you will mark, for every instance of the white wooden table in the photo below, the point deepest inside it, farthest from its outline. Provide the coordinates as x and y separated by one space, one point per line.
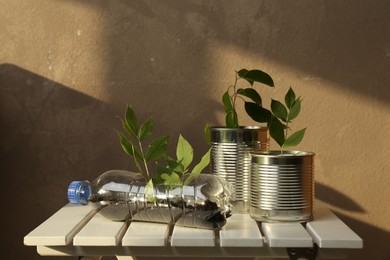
80 231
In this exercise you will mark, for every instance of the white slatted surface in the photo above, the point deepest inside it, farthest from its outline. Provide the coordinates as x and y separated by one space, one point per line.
328 231
82 230
146 234
100 232
286 235
60 228
192 237
240 231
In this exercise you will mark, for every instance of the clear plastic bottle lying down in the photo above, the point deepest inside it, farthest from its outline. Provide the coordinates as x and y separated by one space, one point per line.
121 195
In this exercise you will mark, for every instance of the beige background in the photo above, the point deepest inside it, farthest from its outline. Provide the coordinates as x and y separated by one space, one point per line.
68 68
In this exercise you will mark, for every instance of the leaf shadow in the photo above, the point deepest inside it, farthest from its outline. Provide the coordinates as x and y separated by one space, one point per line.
336 198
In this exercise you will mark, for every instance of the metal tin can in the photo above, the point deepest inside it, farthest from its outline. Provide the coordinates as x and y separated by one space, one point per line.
231 159
282 186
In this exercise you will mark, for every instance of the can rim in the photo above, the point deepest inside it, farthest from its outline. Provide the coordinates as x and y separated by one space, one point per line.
240 128
241 134
281 153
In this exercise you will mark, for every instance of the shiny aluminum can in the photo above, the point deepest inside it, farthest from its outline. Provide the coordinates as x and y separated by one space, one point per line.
282 186
231 159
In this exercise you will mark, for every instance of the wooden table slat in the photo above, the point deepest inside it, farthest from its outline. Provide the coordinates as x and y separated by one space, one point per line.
193 237
92 234
100 231
146 234
328 231
286 235
59 229
240 231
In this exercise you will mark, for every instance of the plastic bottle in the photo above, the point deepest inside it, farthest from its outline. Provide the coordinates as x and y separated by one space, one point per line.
121 195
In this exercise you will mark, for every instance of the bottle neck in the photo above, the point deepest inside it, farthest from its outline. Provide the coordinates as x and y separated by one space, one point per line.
79 192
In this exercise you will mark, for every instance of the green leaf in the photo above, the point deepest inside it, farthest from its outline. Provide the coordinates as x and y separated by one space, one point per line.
279 110
162 169
184 152
295 110
146 129
207 133
203 163
171 180
294 139
227 102
231 119
149 191
199 167
256 76
130 150
289 98
136 159
257 113
132 122
174 166
128 147
157 148
126 127
241 73
276 130
250 93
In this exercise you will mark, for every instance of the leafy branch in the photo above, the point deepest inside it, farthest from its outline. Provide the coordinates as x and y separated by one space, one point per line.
280 118
283 114
132 142
229 98
172 174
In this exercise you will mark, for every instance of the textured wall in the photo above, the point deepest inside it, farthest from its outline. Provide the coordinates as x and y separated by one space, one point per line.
68 68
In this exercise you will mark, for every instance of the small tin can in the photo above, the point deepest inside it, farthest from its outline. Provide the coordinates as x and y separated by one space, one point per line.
282 186
231 159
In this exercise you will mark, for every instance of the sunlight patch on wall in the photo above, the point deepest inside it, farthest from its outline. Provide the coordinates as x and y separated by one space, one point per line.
63 47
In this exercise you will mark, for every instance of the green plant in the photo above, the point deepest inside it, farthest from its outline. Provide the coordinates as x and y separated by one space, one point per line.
134 147
280 119
132 142
229 98
173 172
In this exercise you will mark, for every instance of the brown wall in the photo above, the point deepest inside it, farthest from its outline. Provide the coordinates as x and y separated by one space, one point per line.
68 68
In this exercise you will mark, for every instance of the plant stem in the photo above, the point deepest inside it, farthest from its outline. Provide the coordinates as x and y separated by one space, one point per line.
285 136
144 159
234 96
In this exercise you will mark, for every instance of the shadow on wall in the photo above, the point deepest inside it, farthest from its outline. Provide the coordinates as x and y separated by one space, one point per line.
375 240
50 135
336 41
336 198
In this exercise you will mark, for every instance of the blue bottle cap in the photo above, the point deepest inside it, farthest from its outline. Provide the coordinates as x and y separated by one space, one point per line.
79 192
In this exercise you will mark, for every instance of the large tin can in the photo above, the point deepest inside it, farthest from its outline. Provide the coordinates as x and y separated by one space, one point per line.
282 186
231 159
